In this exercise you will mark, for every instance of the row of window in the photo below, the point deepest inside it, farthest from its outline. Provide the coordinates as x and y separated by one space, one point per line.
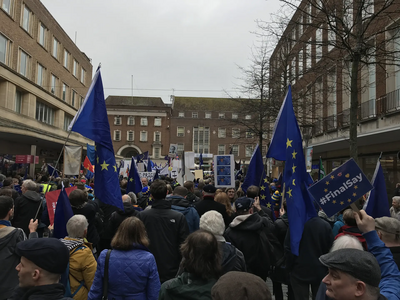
180 132
131 121
224 149
130 136
208 115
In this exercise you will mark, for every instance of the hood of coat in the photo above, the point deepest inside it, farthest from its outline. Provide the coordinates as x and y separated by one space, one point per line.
32 195
178 201
129 210
8 236
247 222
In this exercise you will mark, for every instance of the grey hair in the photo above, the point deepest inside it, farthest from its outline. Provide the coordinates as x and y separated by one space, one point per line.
213 222
396 199
346 241
133 198
76 226
2 177
29 184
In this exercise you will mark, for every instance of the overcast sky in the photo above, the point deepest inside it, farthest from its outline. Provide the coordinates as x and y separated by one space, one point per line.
180 47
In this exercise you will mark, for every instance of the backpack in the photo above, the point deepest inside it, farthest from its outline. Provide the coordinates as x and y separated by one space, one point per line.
64 280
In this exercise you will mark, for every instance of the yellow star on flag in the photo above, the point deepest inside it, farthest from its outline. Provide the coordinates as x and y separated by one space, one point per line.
341 202
334 201
115 168
104 166
289 143
349 200
262 188
294 168
354 194
131 179
355 187
294 154
95 147
97 159
332 177
289 192
327 182
325 190
269 205
263 197
265 180
293 182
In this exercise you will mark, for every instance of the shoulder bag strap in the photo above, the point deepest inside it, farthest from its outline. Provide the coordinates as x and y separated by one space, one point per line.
105 279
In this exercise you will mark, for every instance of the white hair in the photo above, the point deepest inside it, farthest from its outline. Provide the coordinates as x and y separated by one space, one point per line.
396 199
213 222
76 226
346 241
133 198
29 184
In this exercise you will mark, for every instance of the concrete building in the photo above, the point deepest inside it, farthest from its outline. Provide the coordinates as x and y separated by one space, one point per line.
307 56
44 78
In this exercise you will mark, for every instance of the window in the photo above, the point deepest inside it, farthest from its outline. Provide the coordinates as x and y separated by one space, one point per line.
249 134
66 59
318 44
248 117
221 132
195 115
293 70
221 149
143 121
157 152
207 115
5 49
308 55
44 113
64 92
117 120
130 135
181 147
81 101
300 63
26 19
83 72
55 48
249 150
235 116
368 9
143 136
181 114
131 121
221 115
73 98
18 101
180 131
201 139
24 60
53 84
235 150
6 5
235 133
40 75
67 121
75 68
157 122
117 135
157 136
42 35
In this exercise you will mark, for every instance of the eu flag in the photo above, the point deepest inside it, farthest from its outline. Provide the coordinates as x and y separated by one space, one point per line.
265 196
286 145
141 157
149 169
255 171
134 183
377 203
91 154
91 121
62 214
52 171
201 160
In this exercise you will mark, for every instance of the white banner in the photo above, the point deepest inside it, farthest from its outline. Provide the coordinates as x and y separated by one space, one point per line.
72 160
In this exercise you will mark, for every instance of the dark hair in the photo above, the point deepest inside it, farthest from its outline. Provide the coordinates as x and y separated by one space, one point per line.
6 203
348 217
77 198
189 185
252 191
130 232
201 255
158 189
180 191
6 192
7 182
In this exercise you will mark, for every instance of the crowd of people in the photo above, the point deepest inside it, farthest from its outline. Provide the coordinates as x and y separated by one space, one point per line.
190 241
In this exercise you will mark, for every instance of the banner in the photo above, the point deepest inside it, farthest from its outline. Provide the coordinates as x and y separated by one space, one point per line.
148 175
72 160
51 201
224 167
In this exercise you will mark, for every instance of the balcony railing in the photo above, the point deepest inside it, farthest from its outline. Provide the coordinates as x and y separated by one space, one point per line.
344 118
331 123
368 110
392 101
318 127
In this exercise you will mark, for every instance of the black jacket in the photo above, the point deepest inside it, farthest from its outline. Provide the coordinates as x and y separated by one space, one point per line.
232 258
117 217
9 237
25 208
89 210
396 255
44 292
208 204
316 240
167 229
250 234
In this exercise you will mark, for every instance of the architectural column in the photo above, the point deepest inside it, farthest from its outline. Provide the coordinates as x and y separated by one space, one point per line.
32 165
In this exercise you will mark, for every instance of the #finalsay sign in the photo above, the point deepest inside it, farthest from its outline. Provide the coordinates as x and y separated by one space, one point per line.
340 188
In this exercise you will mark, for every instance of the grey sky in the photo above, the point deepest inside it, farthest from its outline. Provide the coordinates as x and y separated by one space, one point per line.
192 46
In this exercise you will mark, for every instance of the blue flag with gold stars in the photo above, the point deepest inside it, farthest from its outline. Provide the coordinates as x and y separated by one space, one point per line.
340 188
91 121
265 196
134 183
255 170
286 145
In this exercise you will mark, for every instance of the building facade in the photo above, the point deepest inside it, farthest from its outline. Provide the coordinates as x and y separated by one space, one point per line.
311 56
44 78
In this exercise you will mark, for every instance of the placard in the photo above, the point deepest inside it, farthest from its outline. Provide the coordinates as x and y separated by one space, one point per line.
224 171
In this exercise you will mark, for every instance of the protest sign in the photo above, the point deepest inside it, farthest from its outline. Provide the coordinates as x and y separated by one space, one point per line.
224 167
340 188
51 201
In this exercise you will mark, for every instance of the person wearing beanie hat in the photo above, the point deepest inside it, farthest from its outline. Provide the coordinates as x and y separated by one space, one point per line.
39 271
208 203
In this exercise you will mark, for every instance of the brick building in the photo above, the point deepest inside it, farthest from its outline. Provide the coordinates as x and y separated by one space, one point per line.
308 57
44 78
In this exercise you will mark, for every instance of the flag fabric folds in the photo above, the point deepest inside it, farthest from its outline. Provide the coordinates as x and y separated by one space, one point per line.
377 203
201 160
321 170
72 160
91 154
87 165
52 172
134 183
91 121
286 145
265 196
62 214
255 170
149 169
142 157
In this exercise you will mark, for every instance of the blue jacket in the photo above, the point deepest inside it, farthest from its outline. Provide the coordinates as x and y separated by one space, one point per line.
132 275
186 208
338 224
390 274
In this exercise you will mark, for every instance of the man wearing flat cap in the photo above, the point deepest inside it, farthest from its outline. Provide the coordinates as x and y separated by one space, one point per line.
388 230
39 271
362 275
208 204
